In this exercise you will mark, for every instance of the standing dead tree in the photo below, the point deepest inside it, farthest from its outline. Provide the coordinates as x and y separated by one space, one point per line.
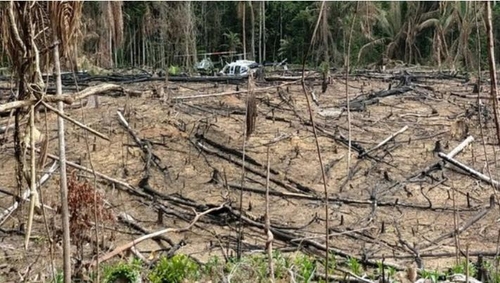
31 30
19 26
491 60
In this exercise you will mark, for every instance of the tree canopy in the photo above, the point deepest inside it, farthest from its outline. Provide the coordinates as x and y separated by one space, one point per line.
158 34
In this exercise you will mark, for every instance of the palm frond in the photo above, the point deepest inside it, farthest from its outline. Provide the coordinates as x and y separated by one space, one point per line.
427 23
370 44
64 18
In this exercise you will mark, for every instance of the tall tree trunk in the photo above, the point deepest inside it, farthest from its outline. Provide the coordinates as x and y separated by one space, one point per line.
62 169
325 32
252 20
243 21
110 47
491 60
263 31
188 39
134 48
143 45
205 24
192 34
281 21
260 32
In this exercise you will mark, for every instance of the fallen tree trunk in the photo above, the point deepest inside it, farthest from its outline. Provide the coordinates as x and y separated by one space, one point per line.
180 98
471 171
373 98
451 154
298 187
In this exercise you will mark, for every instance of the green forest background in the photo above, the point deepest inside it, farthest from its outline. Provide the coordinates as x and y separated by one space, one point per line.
448 34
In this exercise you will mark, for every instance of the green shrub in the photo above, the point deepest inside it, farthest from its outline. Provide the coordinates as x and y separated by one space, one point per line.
123 272
174 70
175 270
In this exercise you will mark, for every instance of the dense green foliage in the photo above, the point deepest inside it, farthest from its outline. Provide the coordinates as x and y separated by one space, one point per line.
296 267
159 34
412 32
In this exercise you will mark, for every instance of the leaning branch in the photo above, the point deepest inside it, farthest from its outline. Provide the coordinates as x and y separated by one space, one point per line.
26 193
67 99
102 136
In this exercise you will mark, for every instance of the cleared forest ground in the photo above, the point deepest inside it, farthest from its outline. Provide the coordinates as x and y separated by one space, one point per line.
386 208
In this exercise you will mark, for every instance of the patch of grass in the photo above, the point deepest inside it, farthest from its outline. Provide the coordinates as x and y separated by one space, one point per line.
175 270
58 279
433 275
461 268
249 267
332 263
213 268
355 266
306 267
387 271
281 265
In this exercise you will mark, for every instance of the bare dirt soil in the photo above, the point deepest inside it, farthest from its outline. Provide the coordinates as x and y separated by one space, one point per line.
379 211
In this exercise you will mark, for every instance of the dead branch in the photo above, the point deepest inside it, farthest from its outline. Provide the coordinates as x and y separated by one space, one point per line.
133 243
350 273
130 222
289 195
435 166
269 234
384 141
25 103
253 161
98 174
470 96
102 136
464 227
145 147
373 98
26 193
148 191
